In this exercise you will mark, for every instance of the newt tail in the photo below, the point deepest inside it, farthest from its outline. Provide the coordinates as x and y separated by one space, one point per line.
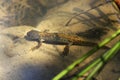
60 39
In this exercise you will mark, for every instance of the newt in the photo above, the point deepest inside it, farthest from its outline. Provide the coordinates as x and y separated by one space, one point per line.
58 38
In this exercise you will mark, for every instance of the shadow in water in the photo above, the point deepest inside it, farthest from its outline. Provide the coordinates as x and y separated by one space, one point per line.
41 71
94 33
26 12
89 19
107 20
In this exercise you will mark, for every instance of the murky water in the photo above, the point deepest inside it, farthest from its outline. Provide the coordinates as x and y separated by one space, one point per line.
92 20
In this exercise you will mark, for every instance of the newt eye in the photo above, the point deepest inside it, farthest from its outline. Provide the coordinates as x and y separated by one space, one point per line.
33 35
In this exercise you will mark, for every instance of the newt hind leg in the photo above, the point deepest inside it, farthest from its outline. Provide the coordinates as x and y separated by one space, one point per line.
66 49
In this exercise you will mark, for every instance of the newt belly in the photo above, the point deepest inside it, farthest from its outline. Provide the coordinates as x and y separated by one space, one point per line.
59 39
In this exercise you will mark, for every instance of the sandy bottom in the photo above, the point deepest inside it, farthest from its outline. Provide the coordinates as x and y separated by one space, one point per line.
19 62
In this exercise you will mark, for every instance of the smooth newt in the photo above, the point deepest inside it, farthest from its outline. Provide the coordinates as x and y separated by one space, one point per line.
58 38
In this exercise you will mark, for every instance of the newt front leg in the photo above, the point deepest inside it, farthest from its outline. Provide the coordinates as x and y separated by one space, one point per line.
36 47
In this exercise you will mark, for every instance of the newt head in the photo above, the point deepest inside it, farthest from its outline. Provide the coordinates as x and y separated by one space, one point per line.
33 35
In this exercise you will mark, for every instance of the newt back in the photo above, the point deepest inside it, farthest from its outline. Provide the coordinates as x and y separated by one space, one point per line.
59 38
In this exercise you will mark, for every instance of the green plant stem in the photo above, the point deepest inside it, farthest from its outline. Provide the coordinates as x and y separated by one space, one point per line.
70 67
102 60
94 71
110 55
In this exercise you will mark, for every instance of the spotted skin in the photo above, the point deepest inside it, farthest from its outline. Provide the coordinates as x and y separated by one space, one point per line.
60 39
